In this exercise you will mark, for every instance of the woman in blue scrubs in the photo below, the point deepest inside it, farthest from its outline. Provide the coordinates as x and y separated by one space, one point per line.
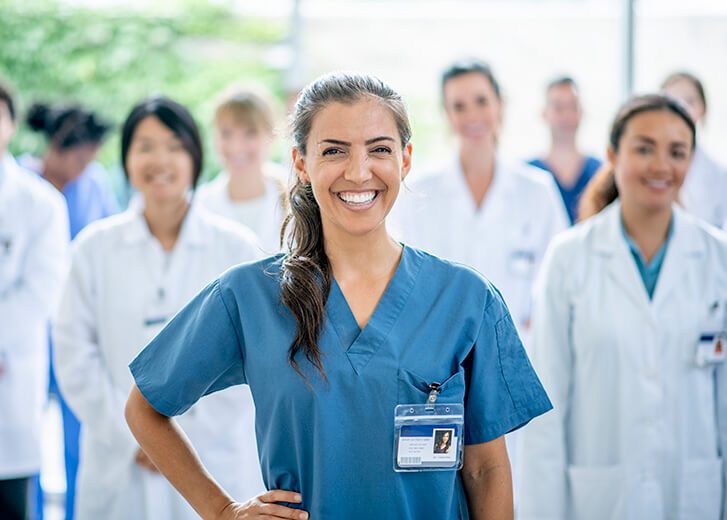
336 333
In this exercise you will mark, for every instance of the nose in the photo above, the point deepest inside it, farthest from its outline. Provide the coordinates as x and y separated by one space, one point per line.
662 162
358 170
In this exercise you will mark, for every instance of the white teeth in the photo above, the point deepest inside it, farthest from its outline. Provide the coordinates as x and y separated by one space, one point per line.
357 198
657 183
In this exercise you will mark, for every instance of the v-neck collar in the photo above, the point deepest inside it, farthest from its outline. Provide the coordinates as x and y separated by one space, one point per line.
493 191
361 345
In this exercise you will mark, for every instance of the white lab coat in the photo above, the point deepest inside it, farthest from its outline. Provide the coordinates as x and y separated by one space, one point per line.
638 429
263 215
33 263
504 239
123 287
704 192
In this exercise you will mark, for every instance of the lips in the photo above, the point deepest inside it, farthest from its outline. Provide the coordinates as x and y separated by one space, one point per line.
160 178
658 184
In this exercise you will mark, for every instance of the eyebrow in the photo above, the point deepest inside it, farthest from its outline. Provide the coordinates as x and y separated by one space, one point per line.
368 142
651 141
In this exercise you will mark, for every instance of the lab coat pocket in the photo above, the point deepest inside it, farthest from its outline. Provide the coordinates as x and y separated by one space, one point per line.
521 262
700 490
596 493
414 389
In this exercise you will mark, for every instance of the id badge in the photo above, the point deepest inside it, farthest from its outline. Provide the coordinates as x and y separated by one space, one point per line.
712 347
428 437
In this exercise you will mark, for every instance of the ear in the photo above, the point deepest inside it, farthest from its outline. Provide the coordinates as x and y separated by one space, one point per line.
299 166
406 160
611 155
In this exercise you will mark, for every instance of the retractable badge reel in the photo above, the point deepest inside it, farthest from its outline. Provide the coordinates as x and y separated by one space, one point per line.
430 436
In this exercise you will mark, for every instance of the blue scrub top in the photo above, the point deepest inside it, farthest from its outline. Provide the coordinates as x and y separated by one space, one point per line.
89 197
649 272
334 441
572 194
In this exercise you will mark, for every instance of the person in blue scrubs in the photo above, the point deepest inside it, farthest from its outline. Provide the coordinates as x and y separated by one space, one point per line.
74 135
335 333
571 169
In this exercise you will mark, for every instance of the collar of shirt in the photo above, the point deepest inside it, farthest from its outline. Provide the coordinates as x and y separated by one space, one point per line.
192 232
496 191
649 271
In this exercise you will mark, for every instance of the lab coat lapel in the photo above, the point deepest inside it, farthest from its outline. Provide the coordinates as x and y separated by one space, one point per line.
610 243
683 253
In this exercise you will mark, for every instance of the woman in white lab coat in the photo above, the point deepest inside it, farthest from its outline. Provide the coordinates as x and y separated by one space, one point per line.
33 263
628 337
480 210
704 192
250 190
130 274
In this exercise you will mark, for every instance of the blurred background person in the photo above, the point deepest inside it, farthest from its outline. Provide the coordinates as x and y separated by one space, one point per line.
627 320
33 255
74 135
480 210
704 192
250 189
130 274
571 168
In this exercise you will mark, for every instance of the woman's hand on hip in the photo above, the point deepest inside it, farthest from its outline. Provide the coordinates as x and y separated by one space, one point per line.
265 507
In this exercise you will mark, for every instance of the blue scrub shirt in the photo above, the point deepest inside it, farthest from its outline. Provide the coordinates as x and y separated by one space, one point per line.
649 271
572 194
333 441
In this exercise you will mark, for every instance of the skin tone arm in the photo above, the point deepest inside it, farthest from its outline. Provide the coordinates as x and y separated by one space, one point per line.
171 452
487 481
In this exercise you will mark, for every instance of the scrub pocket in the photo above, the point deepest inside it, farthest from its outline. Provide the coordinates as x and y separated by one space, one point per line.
701 490
596 493
414 389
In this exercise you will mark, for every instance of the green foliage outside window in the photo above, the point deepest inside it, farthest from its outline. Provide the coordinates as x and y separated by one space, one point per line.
107 59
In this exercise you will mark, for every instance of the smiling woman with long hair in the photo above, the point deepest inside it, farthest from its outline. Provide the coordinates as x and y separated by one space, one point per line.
333 335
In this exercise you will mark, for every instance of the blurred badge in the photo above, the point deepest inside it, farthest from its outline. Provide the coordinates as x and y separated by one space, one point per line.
712 347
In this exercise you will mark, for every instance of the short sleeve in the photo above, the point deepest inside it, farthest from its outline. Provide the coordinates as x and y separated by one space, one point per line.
503 391
198 352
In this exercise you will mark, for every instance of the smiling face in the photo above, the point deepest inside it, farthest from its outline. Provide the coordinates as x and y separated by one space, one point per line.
473 109
355 164
652 160
242 148
158 164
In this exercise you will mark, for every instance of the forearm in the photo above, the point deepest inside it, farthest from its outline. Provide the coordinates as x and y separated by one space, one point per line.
170 450
489 492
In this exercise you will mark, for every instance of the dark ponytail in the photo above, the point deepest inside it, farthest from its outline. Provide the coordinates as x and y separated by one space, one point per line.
306 275
601 189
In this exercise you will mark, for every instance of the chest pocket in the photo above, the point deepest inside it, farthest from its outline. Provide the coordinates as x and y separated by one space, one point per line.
414 389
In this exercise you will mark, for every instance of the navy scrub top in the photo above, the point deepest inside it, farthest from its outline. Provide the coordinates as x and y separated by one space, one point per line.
334 441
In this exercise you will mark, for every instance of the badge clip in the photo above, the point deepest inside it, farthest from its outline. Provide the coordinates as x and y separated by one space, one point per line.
434 390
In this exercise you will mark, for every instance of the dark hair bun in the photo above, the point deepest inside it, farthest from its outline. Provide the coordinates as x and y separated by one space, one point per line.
67 125
39 116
